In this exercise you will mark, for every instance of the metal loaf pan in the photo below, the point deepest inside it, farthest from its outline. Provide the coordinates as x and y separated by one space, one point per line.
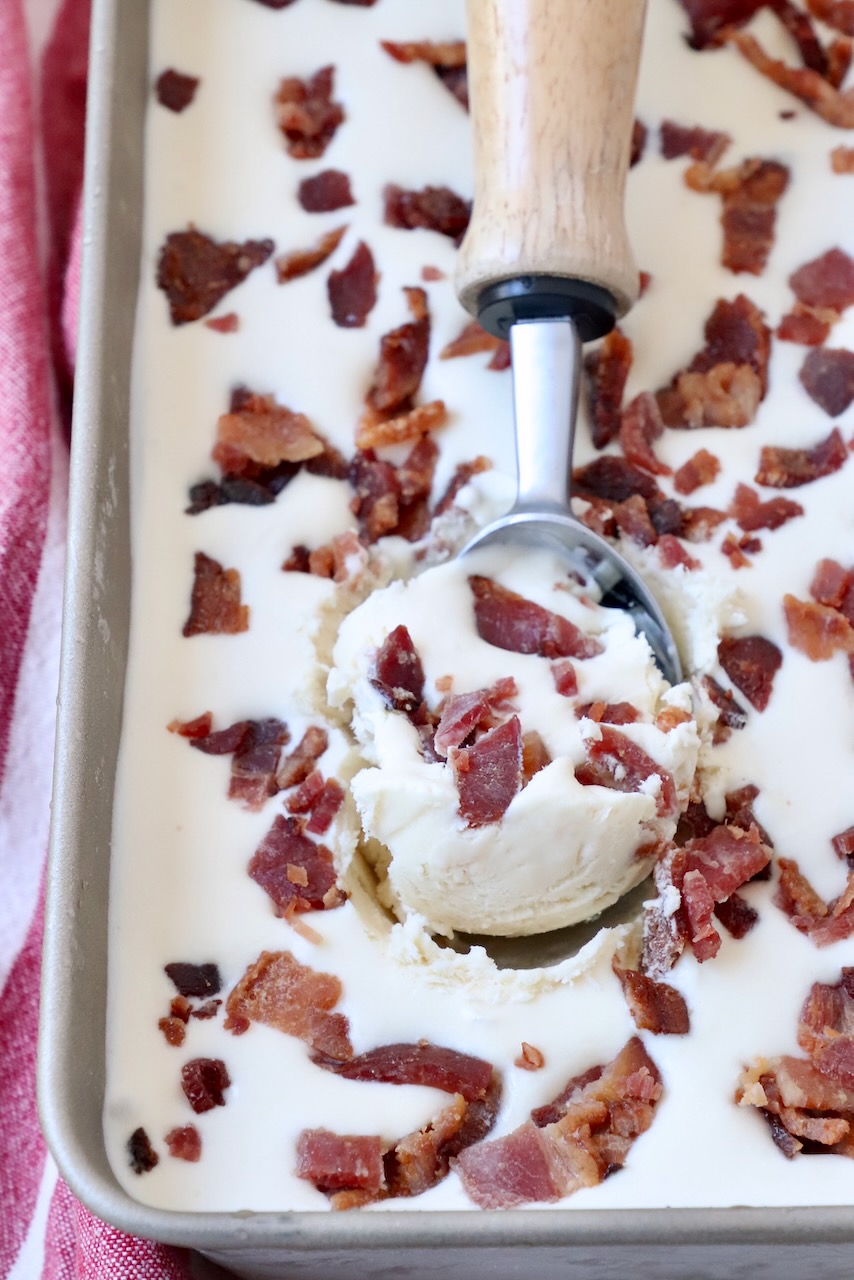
664 1245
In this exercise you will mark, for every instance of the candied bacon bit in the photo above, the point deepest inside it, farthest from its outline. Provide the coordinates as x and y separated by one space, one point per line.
751 662
639 135
325 807
185 1143
535 755
465 712
619 763
198 728
807 325
608 712
665 927
174 1030
201 980
280 992
640 424
444 53
606 372
215 606
818 94
398 674
751 513
204 1081
296 767
724 383
843 845
377 499
225 741
180 1007
228 323
488 774
325 192
290 266
175 90
827 376
403 427
700 144
796 897
353 290
836 13
831 583
402 358
702 468
613 479
842 159
710 18
473 340
306 115
826 281
423 1064
292 917
671 553
433 209
734 553
511 622
566 681
207 1010
195 272
727 858
255 761
654 1006
333 1161
730 712
750 194
699 906
699 523
141 1155
736 916
285 845
632 519
671 718
530 1059
462 476
430 274
264 433
301 800
816 629
415 473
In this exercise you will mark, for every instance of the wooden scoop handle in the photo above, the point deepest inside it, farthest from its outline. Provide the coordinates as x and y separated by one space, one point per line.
552 87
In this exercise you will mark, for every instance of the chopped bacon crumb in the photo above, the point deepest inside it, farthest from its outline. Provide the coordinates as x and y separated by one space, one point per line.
429 274
296 766
446 57
530 1059
488 774
198 728
175 90
262 433
333 1161
632 518
827 376
462 476
280 992
710 18
353 290
398 674
599 1116
535 755
215 606
411 425
824 922
818 630
654 1006
809 326
826 281
639 136
734 552
842 159
751 662
608 712
843 845
671 553
607 371
290 266
195 272
736 916
615 761
640 425
702 468
462 714
700 144
433 209
831 583
422 1064
750 194
325 192
185 1143
566 681
204 1081
752 513
790 468
229 323
174 1030
473 340
200 980
325 807
285 845
730 713
402 359
306 114
141 1155
822 97
511 622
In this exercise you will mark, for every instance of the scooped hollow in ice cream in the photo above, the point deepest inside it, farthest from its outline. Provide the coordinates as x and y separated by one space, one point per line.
526 757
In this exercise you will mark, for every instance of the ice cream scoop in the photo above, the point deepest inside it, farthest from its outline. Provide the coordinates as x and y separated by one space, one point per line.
546 260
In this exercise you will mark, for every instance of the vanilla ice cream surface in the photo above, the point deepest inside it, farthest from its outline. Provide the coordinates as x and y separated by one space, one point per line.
313 437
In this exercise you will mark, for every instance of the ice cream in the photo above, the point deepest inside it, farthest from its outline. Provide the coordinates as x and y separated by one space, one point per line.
560 852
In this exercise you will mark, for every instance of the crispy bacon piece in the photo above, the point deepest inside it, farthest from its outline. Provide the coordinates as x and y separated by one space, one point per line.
185 1143
709 18
264 433
306 115
790 468
174 1030
733 550
142 1157
290 266
751 513
615 761
488 774
325 192
535 755
325 807
730 713
826 281
750 194
422 1063
736 916
824 922
256 747
296 767
810 86
608 712
402 359
702 468
640 425
701 144
566 681
818 630
286 846
751 662
606 373
204 1081
195 272
632 518
511 622
215 606
831 584
228 323
842 159
727 858
639 136
175 90
377 499
601 1114
333 1161
353 290
671 553
198 728
827 376
726 380
463 474
465 712
433 209
200 980
446 57
411 425
836 13
398 674
843 845
473 340
654 1006
809 326
699 906
280 992
613 479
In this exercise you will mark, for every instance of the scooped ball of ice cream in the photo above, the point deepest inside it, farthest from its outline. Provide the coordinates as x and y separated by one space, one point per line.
526 758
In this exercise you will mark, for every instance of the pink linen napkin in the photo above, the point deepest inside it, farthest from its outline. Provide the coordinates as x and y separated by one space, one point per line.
44 1232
